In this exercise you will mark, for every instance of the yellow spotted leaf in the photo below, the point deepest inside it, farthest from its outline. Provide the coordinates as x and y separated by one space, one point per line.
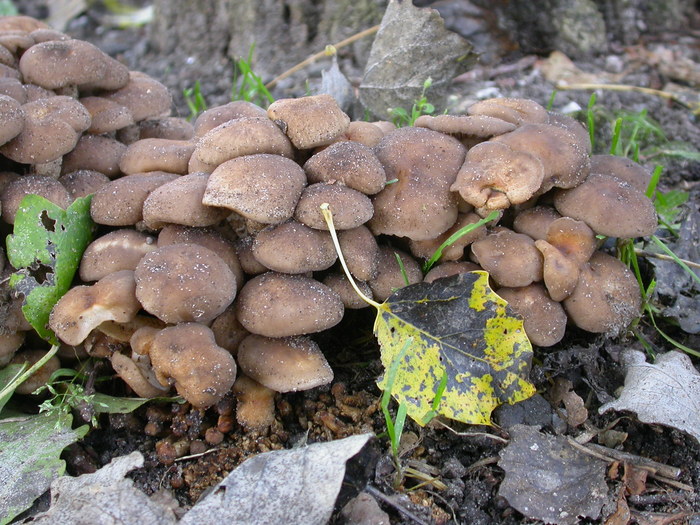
459 329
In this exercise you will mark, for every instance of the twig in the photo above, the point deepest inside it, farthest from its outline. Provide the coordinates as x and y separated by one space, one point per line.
665 257
622 87
194 456
473 434
390 501
657 498
301 65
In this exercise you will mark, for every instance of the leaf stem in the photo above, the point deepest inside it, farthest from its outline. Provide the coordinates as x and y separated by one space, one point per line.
21 378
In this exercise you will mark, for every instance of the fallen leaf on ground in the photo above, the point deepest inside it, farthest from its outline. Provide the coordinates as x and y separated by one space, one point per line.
294 487
549 480
458 328
558 68
665 393
29 458
411 45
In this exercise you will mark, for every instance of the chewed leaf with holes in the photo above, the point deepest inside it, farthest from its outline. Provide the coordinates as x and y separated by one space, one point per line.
462 330
46 248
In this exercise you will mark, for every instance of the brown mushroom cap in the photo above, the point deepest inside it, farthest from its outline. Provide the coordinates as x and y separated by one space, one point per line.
469 129
511 258
188 355
535 221
292 247
120 203
13 88
180 202
143 96
10 342
544 320
106 115
448 269
285 365
495 176
364 133
83 182
455 251
134 376
419 205
41 376
309 122
11 118
83 308
389 275
518 111
228 331
281 305
607 297
621 168
114 251
339 283
244 251
184 282
572 125
265 188
609 206
173 128
97 153
15 191
361 252
143 155
350 208
216 116
349 163
256 403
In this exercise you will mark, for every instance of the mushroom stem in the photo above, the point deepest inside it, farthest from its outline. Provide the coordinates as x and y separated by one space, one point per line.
22 376
328 216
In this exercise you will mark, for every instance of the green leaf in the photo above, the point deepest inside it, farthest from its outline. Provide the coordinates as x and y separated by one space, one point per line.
461 329
30 458
7 376
46 248
104 404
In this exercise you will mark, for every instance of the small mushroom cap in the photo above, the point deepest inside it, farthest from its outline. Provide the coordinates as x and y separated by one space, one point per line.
13 88
97 153
216 116
11 118
309 122
511 258
239 137
621 168
284 365
607 297
470 129
114 251
41 376
21 24
544 320
572 125
349 163
120 203
609 206
168 155
450 268
339 283
187 354
184 282
244 251
535 221
143 96
45 186
495 176
518 111
350 208
228 331
83 308
10 342
132 375
419 205
389 275
265 188
292 247
455 251
281 305
364 133
361 252
176 234
256 403
81 183
180 202
173 128
106 115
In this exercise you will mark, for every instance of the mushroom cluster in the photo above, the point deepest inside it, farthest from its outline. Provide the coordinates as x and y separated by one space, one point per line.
213 263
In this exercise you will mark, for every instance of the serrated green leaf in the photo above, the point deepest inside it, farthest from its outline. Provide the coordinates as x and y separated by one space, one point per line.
30 449
461 329
46 248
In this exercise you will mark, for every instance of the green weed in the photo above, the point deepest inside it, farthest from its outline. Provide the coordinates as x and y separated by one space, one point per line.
194 100
400 117
247 85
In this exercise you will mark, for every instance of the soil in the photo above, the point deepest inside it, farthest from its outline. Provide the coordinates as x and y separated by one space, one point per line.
460 477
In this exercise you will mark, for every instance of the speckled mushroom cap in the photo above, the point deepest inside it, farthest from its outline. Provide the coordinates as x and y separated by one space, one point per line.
607 297
11 118
609 206
419 205
469 129
265 188
285 365
361 252
42 185
363 132
535 221
180 202
80 183
114 251
281 305
188 356
455 251
339 283
97 153
184 282
622 168
389 276
216 116
144 97
350 208
494 176
511 258
173 128
106 115
13 88
544 319
309 122
292 247
349 163
518 111
449 268
239 137
168 155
